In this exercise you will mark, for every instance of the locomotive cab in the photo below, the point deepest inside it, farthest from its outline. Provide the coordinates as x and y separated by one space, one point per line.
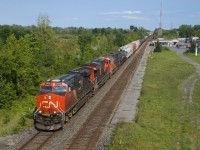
112 65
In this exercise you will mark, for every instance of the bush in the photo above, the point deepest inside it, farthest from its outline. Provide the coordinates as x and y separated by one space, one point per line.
6 119
22 120
158 47
192 47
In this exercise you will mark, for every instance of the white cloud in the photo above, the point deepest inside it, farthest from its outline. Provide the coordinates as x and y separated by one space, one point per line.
131 12
120 12
75 19
130 15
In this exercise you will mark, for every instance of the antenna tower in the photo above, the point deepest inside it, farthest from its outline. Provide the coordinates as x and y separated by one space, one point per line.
160 28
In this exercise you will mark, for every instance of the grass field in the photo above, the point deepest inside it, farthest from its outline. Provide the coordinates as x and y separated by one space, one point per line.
161 122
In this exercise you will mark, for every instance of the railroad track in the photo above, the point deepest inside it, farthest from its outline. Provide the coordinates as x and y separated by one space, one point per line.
88 136
37 141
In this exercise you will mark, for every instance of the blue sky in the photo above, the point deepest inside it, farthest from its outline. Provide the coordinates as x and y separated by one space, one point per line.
102 13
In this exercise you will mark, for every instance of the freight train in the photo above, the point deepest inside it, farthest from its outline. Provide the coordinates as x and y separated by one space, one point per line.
61 97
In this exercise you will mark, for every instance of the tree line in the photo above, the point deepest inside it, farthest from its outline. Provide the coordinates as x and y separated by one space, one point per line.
183 31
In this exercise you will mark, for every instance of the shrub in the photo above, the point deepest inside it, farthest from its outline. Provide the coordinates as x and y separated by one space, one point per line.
192 47
6 119
22 120
158 47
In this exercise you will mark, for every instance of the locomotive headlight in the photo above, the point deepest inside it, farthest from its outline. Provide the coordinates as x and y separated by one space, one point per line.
49 96
39 112
54 112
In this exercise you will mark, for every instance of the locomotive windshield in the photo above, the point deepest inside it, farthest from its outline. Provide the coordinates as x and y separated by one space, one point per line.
59 89
56 88
46 88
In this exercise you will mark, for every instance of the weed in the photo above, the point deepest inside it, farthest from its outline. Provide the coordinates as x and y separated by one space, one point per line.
22 120
6 119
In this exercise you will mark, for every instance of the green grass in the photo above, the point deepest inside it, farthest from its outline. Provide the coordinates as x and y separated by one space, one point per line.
19 117
196 128
193 57
159 117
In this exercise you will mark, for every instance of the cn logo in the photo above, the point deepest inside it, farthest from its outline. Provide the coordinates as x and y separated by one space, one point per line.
47 104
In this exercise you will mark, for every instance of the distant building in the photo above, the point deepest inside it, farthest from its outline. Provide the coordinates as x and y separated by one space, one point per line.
164 42
180 42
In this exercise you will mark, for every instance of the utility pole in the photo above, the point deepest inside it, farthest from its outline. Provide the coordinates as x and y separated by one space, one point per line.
196 49
160 27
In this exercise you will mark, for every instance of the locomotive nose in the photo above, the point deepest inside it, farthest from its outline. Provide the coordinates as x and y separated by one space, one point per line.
48 97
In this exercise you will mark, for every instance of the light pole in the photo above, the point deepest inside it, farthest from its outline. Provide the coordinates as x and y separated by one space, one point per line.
196 49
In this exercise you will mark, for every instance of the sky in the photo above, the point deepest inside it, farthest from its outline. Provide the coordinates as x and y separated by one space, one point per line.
102 13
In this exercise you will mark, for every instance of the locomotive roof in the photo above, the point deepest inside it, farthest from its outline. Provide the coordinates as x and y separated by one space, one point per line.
93 64
113 54
82 71
99 59
62 78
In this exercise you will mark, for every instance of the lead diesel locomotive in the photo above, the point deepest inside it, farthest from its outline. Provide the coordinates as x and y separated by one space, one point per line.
61 97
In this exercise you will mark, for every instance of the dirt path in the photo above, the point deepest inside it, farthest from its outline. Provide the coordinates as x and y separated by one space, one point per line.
188 117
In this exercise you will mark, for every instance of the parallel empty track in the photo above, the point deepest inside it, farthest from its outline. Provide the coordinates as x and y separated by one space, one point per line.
37 141
89 134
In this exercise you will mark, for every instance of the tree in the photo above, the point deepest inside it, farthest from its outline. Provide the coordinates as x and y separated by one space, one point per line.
196 27
185 31
43 21
5 32
170 34
65 56
17 75
84 42
120 39
158 47
134 28
8 86
141 32
44 55
192 47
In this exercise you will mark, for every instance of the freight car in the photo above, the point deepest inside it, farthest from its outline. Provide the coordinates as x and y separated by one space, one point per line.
60 98
132 47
